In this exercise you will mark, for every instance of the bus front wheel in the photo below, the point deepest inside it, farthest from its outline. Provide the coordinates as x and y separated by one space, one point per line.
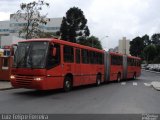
67 84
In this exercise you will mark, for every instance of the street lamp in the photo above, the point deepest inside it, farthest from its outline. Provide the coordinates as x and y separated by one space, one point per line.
104 37
100 39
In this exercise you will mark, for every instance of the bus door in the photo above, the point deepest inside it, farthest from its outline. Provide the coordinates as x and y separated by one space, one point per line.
77 74
107 63
125 64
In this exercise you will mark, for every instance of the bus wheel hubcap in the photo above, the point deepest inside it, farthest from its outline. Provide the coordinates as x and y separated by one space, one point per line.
119 78
67 84
98 82
134 77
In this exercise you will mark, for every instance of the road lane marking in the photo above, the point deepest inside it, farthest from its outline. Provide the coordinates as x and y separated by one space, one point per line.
134 83
123 83
147 84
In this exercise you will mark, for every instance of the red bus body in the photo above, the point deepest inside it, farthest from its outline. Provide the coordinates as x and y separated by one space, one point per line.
6 61
115 69
5 67
88 63
121 66
53 78
133 66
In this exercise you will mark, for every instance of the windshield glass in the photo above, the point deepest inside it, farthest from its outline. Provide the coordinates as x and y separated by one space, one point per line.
30 55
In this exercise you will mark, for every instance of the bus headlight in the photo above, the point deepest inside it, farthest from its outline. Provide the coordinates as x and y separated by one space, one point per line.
12 77
38 78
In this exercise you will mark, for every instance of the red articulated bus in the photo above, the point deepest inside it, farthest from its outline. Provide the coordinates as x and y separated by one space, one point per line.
45 64
119 66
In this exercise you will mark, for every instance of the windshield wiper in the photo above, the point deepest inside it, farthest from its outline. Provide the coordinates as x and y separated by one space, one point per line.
19 62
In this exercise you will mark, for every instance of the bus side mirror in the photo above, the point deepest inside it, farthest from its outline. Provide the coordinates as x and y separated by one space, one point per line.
54 51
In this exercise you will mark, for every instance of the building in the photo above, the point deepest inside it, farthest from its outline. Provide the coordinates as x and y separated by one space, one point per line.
4 29
124 45
114 49
9 30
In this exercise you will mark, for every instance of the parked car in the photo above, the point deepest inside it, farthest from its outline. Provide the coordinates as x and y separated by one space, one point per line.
148 67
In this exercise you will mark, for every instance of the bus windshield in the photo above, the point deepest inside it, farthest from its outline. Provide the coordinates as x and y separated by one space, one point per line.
30 55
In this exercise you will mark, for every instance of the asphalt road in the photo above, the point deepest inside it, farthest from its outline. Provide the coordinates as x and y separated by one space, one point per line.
126 97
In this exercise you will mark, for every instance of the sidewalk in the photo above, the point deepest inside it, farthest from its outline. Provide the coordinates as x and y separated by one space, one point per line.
5 85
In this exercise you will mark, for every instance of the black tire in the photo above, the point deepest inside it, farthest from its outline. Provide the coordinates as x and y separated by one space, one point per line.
119 77
134 76
67 84
98 80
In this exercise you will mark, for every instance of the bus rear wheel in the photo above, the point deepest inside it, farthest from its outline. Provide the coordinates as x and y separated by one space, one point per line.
67 84
134 76
119 77
98 80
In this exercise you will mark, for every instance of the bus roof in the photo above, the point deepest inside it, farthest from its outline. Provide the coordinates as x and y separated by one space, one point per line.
55 40
115 53
134 57
36 39
129 56
64 43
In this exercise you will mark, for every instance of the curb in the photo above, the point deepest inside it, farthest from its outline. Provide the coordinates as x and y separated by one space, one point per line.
156 88
1 89
8 87
156 85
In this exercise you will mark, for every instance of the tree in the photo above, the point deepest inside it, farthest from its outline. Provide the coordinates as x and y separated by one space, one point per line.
48 35
150 52
158 50
30 12
146 40
82 40
156 39
74 25
91 41
136 46
157 58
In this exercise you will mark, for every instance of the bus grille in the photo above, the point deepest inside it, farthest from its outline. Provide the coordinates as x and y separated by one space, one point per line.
24 81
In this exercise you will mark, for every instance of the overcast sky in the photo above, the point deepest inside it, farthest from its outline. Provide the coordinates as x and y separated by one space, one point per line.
113 18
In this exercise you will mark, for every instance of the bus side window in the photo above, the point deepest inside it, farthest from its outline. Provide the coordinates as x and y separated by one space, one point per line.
57 57
68 54
113 60
100 58
92 57
5 64
77 56
102 61
53 60
84 55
